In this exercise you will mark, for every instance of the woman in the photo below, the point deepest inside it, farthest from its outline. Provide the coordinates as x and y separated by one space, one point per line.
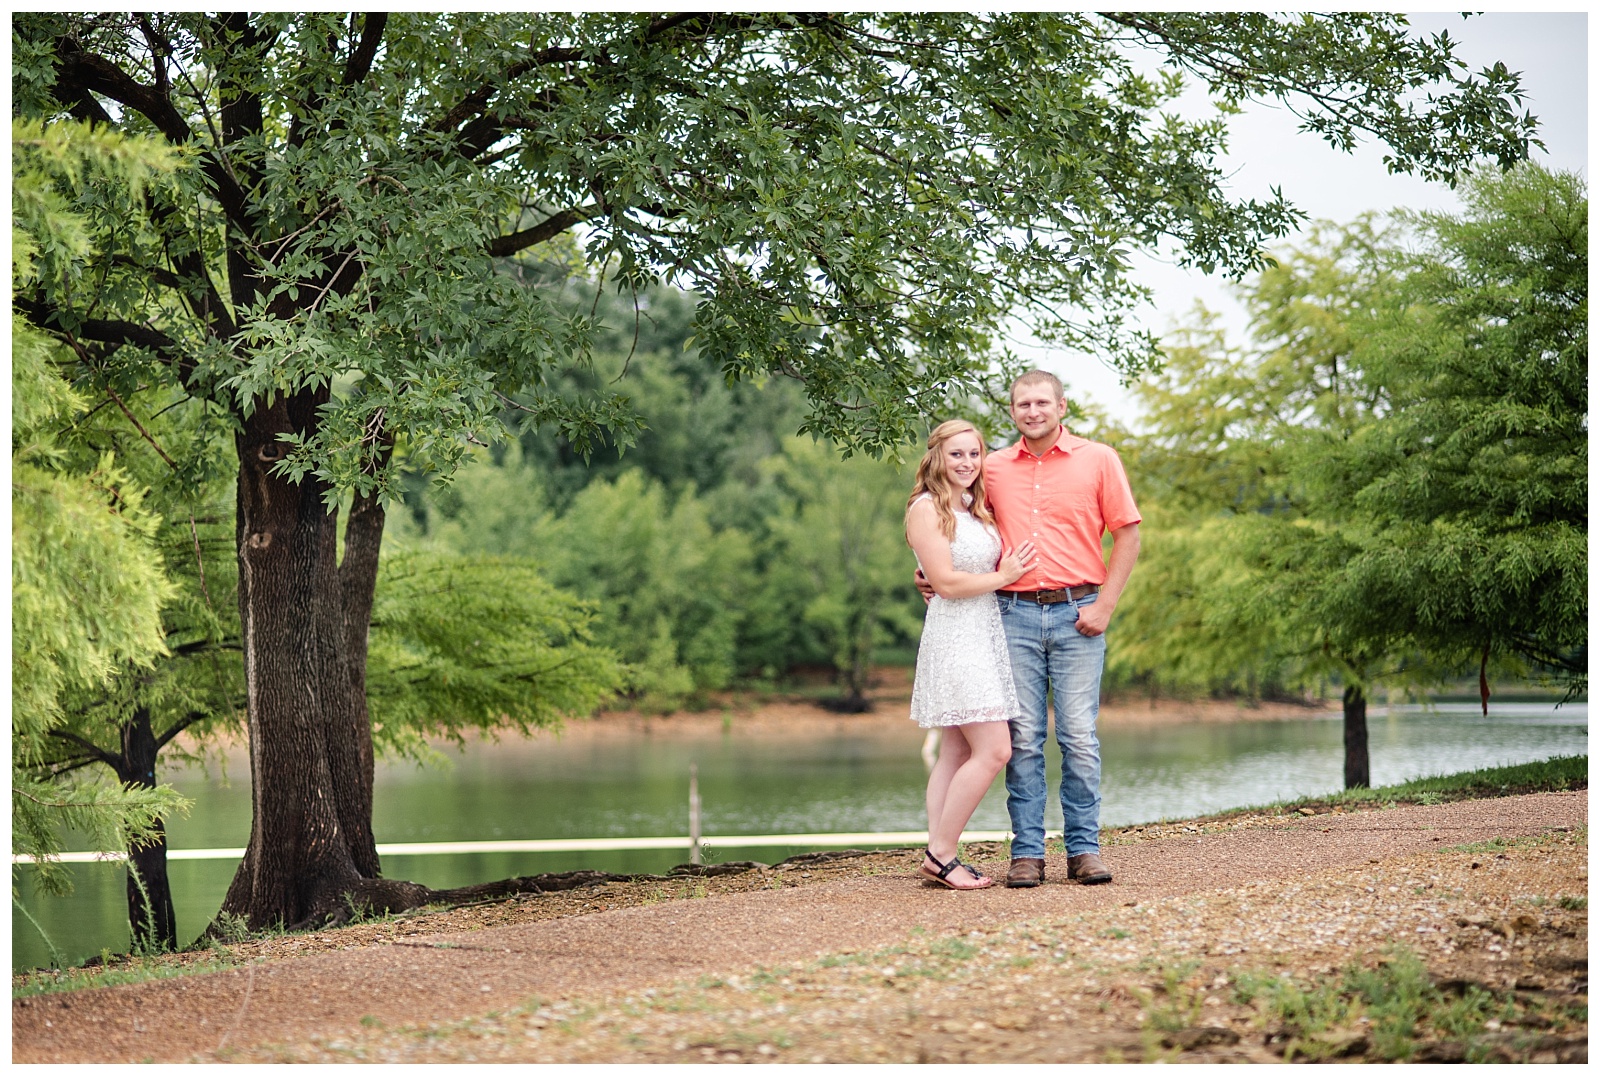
963 685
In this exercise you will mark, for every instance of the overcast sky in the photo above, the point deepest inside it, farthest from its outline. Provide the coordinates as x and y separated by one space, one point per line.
1551 51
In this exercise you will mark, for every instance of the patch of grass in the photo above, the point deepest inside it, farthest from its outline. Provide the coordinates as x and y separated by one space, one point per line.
1175 1004
1304 1014
953 949
139 970
843 960
229 927
581 1014
361 912
55 954
1398 995
1574 904
1562 774
1566 773
1385 1012
232 929
1496 845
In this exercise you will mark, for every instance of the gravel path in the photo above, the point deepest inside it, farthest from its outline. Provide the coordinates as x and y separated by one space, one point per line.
436 979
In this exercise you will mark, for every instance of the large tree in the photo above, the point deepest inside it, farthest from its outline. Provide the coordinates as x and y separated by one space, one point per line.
860 200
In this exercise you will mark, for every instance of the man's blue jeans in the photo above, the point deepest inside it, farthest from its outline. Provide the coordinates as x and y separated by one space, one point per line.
1049 658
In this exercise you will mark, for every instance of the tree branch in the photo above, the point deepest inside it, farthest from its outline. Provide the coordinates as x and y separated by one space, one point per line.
473 104
98 753
129 414
477 101
85 71
188 719
210 309
159 48
82 73
106 331
506 245
360 62
67 765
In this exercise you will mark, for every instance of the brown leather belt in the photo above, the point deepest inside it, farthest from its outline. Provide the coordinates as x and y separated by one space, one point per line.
1051 597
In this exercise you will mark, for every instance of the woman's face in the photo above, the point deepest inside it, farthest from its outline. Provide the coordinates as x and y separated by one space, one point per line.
963 458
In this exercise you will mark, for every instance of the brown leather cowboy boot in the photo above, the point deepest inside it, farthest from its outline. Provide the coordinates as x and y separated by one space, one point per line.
1025 873
1088 869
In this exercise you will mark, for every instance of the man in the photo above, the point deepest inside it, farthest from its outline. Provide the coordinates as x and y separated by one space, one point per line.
1061 492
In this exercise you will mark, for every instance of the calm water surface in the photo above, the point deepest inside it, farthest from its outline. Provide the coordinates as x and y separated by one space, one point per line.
777 782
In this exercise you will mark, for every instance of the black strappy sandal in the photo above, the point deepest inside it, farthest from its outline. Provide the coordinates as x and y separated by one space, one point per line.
942 876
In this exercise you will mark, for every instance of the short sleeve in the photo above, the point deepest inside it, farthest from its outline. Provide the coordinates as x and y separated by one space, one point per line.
1116 497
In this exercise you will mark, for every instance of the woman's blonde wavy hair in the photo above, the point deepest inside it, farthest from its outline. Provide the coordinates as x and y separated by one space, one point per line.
932 479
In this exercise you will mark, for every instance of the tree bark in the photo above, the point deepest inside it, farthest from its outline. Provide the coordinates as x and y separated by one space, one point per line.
358 582
151 918
311 853
1357 774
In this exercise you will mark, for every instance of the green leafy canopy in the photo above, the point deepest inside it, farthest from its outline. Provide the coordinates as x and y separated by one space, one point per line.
860 201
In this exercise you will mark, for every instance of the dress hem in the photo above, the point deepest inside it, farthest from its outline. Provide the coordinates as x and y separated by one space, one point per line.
937 724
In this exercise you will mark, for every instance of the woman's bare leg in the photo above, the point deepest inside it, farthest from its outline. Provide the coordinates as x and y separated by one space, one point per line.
984 749
953 752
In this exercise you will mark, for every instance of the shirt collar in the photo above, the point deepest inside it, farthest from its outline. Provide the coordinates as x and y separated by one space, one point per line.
1064 445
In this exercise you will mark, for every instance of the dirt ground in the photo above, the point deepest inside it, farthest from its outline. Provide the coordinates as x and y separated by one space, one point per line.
851 959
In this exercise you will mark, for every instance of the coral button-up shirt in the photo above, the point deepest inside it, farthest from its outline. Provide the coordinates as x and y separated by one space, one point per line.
1062 501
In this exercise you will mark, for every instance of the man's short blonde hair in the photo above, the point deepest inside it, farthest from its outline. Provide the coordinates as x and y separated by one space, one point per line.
1039 377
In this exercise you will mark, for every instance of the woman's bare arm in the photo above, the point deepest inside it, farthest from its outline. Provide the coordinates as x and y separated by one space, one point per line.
933 550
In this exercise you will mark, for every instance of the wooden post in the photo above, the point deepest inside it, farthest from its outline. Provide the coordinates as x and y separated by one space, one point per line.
694 813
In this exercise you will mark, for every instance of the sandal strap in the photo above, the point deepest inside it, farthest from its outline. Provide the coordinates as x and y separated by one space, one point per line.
969 869
946 868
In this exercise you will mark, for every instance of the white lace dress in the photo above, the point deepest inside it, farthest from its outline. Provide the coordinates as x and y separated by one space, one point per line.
963 666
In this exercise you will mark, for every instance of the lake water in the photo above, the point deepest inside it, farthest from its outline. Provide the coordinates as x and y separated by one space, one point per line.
776 781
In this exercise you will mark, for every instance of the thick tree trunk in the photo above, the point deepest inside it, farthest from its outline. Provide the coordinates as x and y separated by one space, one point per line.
358 582
151 917
1357 774
311 852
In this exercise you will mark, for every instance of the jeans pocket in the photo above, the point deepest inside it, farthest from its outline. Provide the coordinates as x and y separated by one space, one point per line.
1006 601
1077 606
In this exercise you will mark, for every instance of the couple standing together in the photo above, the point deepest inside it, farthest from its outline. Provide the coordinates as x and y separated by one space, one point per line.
1008 547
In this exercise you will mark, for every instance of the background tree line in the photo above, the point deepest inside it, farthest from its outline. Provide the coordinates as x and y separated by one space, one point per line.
720 547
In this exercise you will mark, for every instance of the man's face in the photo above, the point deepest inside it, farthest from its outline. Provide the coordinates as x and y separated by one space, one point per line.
1036 410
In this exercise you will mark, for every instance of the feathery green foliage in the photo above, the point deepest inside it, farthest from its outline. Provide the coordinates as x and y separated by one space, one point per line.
88 582
477 643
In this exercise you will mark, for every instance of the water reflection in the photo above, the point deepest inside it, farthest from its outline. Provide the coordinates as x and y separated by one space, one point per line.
783 781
